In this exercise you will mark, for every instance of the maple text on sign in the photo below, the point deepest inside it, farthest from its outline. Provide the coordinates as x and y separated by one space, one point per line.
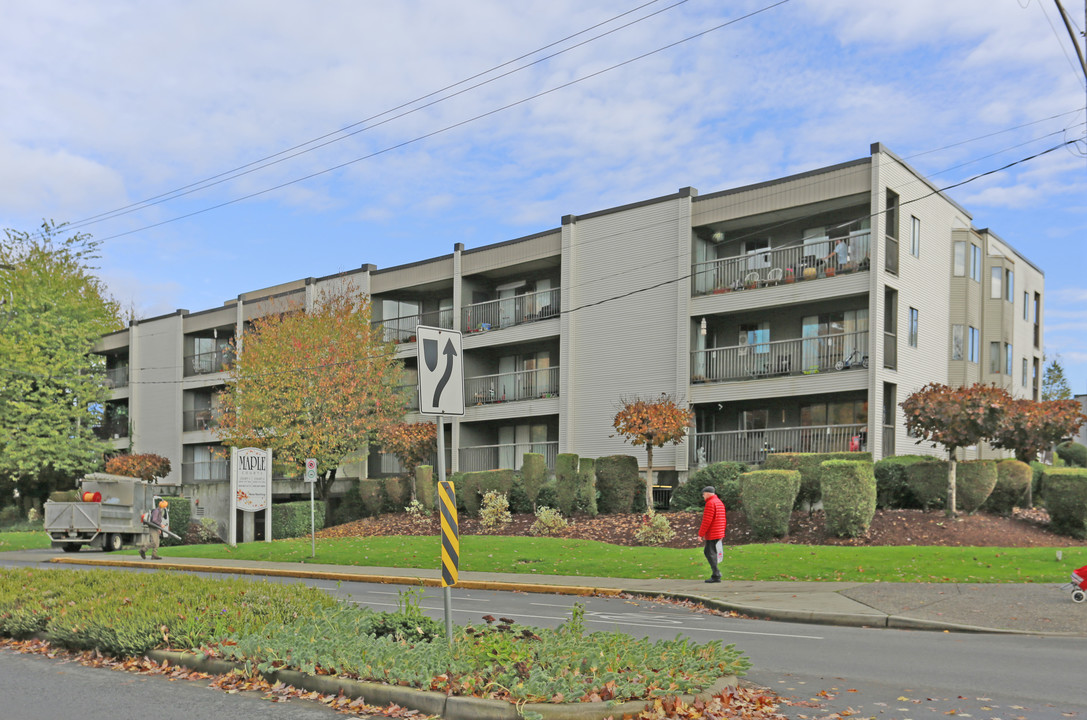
257 463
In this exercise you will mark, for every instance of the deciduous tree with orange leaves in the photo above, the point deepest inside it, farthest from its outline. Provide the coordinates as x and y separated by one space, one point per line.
411 443
317 383
653 423
148 467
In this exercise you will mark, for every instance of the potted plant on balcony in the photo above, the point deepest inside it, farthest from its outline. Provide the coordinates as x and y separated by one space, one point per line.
790 276
698 379
830 271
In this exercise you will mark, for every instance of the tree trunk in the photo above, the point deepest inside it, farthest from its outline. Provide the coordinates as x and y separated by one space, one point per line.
324 485
649 479
950 510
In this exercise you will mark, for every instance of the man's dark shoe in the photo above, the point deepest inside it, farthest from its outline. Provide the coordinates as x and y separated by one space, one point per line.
143 555
156 557
714 580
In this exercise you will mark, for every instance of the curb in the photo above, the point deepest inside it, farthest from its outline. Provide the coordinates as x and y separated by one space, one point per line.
449 707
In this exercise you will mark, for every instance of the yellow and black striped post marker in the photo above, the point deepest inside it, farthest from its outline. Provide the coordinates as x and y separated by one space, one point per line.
447 499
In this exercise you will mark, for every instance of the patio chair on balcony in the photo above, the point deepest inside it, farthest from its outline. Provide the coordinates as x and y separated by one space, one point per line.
774 276
752 279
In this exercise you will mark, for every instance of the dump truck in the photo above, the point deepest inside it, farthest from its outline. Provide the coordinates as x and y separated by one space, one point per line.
110 514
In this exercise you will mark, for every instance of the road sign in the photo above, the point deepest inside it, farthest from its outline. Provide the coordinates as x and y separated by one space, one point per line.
441 371
311 470
447 503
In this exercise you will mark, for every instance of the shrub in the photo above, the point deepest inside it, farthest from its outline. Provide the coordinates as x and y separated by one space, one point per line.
1037 478
974 480
1066 500
204 531
767 497
585 500
1073 454
149 467
566 481
495 510
533 476
548 521
407 624
723 476
397 493
371 496
474 485
1012 482
809 466
654 530
180 517
290 520
10 515
927 481
618 483
849 497
892 486
418 513
426 486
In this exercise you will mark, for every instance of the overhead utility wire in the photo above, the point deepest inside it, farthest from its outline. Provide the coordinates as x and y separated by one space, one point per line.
298 150
447 128
663 283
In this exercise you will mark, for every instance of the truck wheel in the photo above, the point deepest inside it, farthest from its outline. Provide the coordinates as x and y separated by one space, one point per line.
114 542
70 547
1078 596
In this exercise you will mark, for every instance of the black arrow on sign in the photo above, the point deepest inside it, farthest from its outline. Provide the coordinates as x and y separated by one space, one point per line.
449 352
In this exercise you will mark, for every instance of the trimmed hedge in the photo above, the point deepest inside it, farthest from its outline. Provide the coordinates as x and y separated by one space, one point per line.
474 485
1066 500
892 486
426 486
371 496
1012 482
291 520
927 481
533 476
767 497
180 517
1073 454
618 483
809 466
974 481
585 501
723 476
566 482
849 497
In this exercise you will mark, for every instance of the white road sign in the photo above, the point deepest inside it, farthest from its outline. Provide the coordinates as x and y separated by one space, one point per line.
311 470
441 371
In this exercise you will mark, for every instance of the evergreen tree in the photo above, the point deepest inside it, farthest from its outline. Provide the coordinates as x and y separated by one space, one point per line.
1054 383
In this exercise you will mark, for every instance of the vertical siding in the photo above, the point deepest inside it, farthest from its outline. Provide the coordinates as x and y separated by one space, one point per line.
628 346
155 375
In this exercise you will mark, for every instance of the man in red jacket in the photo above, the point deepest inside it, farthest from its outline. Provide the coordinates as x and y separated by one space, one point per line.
712 529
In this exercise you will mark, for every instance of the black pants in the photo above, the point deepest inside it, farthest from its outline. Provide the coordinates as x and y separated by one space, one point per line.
711 557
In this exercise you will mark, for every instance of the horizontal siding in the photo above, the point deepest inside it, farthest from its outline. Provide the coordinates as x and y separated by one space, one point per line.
511 410
517 334
801 293
500 256
411 276
822 383
227 315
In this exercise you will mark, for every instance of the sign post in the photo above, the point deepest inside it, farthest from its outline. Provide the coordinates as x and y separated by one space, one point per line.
441 393
311 480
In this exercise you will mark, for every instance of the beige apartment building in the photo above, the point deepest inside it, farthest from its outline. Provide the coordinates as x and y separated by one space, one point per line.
791 315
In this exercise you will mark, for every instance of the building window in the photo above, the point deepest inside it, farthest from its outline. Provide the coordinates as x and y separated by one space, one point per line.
958 338
915 236
1026 372
1008 360
958 267
890 260
1026 306
996 282
1009 286
975 262
994 358
975 345
913 327
890 328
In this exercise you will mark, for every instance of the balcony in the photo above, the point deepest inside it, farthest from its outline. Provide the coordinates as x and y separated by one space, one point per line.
402 329
752 446
764 268
383 464
205 419
111 428
511 387
206 363
117 377
805 356
505 457
507 312
205 471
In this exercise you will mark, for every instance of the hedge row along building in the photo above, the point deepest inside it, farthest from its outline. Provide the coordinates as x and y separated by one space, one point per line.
792 315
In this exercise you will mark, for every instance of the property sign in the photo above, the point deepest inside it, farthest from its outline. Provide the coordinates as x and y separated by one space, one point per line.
441 371
251 478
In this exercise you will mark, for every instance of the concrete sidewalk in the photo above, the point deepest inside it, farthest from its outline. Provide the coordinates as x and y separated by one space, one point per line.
1004 608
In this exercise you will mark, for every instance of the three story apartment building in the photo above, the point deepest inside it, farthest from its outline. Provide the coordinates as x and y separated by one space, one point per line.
792 315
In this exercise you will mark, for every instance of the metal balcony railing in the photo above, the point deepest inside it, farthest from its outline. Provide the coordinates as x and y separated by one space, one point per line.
511 387
112 429
205 471
402 329
779 266
117 377
505 457
204 419
386 464
507 312
805 356
209 362
752 446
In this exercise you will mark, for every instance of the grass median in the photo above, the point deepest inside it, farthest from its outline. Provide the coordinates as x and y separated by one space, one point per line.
586 558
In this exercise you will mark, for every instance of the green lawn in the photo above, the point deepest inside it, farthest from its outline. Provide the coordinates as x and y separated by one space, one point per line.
23 540
554 556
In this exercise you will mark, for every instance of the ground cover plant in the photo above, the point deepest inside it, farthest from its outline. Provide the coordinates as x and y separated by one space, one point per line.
273 626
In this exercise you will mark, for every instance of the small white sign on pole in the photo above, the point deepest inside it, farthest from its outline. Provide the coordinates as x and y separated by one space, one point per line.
311 479
441 371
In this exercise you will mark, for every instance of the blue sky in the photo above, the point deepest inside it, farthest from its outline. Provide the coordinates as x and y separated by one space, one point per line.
110 103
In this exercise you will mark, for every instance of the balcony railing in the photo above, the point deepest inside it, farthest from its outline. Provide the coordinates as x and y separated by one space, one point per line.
780 266
205 471
117 377
209 362
510 387
112 428
752 446
805 356
402 329
205 419
507 312
385 464
505 457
